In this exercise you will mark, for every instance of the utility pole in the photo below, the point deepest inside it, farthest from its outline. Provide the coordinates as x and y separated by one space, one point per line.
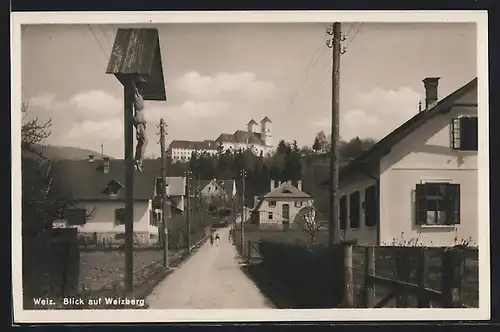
333 225
188 208
242 217
164 235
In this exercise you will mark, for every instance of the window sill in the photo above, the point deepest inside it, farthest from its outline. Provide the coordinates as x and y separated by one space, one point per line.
438 226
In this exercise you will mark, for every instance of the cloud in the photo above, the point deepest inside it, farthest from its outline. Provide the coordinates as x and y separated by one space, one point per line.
86 103
378 112
112 130
242 85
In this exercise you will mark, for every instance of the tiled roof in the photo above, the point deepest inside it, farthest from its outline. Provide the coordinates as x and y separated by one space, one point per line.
227 185
240 136
86 181
286 190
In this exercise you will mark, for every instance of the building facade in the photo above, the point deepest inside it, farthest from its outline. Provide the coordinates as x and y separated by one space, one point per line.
419 184
259 142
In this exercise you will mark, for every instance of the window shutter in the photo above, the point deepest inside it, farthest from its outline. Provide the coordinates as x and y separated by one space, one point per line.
420 204
468 133
119 216
453 206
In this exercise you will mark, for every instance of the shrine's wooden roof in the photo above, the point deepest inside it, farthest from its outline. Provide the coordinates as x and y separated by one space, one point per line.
137 52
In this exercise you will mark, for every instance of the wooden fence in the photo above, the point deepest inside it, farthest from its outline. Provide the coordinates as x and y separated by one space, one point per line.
387 276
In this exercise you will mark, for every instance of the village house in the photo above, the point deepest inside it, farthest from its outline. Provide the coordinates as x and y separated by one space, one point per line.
257 142
281 206
419 184
214 189
97 188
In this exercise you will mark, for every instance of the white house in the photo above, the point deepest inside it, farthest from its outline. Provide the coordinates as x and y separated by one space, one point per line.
420 182
221 189
258 142
97 188
281 205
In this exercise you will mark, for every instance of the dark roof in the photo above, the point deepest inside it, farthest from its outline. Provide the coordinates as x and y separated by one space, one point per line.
86 181
286 190
266 119
137 51
386 143
227 185
252 122
194 145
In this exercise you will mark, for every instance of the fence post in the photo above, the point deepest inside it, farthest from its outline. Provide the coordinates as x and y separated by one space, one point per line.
422 300
451 280
369 289
249 253
403 274
348 275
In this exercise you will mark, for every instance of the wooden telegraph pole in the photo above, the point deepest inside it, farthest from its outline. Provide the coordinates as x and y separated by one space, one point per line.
188 208
164 194
333 225
136 53
243 175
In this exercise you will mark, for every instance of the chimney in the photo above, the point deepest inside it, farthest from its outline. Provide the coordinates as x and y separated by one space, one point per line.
105 164
91 158
299 185
431 90
272 184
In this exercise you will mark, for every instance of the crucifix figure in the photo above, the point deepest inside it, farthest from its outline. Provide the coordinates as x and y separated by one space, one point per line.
139 122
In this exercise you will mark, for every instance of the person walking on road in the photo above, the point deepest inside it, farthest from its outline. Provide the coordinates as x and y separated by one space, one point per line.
217 239
212 239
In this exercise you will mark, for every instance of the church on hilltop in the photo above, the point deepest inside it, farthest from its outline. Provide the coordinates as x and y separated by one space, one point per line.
258 142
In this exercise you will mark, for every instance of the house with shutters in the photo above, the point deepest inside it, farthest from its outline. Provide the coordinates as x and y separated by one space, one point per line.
281 206
214 189
420 182
97 188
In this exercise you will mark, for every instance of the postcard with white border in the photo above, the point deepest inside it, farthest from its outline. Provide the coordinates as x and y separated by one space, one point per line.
250 166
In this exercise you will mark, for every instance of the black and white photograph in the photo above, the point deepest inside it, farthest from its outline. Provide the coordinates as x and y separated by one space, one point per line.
229 166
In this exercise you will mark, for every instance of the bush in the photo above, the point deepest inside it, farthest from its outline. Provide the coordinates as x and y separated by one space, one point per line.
304 271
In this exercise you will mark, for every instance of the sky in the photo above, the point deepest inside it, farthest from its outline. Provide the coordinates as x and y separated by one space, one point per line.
220 76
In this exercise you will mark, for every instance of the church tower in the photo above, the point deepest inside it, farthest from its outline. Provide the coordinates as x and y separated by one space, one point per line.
265 131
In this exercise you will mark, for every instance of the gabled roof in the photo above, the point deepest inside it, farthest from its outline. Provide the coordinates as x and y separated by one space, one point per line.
227 185
241 136
385 144
266 119
86 181
252 122
286 190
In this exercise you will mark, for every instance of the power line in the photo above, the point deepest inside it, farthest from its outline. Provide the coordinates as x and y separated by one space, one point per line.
100 45
354 36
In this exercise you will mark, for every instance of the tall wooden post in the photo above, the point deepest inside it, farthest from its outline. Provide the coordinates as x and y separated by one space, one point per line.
334 153
188 209
136 53
129 188
243 175
163 195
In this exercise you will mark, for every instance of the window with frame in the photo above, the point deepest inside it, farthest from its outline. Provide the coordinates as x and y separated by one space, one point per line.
298 204
120 216
437 203
463 131
75 216
354 209
343 212
270 216
272 203
371 206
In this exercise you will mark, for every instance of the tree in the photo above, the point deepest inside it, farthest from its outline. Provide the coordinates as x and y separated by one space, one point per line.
40 205
283 147
306 219
322 141
220 149
316 145
295 147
